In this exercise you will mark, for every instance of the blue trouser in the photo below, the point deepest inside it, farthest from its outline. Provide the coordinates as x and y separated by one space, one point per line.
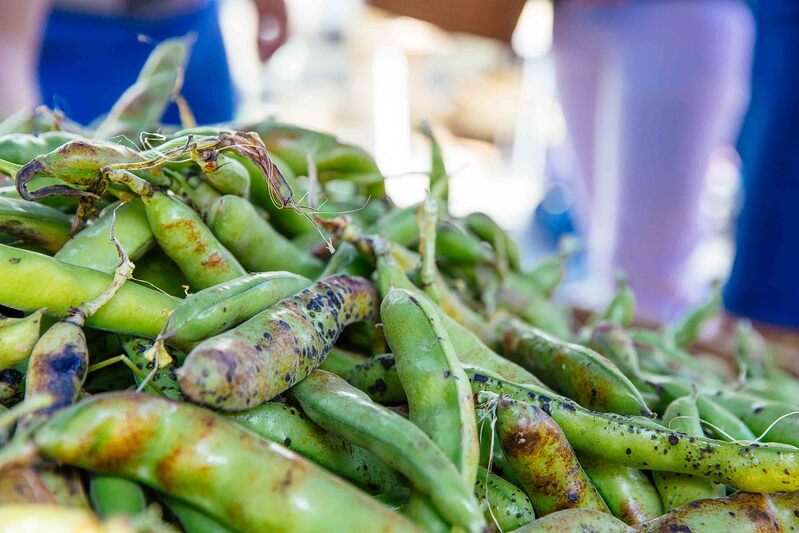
87 62
764 282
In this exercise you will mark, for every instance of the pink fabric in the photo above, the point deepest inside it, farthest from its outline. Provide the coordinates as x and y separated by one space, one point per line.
648 90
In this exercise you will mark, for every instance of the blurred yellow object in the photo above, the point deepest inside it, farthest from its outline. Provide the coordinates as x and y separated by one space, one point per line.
38 518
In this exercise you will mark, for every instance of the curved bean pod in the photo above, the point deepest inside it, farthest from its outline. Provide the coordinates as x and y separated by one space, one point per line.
576 520
344 410
678 489
216 309
504 504
590 379
542 458
254 242
273 350
641 443
742 512
204 460
41 281
189 243
34 223
18 336
628 492
288 426
91 247
438 392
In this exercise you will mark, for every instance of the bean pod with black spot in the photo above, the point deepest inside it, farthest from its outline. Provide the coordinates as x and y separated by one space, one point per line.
637 442
542 458
377 377
276 348
504 505
590 379
32 223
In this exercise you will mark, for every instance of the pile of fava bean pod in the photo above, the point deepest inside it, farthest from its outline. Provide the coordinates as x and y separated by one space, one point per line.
233 328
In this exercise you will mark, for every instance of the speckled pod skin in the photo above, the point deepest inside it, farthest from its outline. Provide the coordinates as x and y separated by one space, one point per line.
504 505
245 482
288 426
165 379
34 223
18 336
590 379
739 513
276 348
640 443
679 489
758 414
221 307
342 409
583 520
57 367
189 243
628 492
377 377
542 458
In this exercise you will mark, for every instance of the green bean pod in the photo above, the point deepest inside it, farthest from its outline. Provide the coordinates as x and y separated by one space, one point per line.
273 350
455 245
678 489
524 299
741 512
20 148
587 520
590 379
378 378
637 442
289 222
141 105
760 415
111 495
542 458
189 243
505 248
621 309
243 481
18 337
503 504
628 492
42 281
548 274
612 341
216 309
157 271
491 454
191 519
34 223
57 367
438 392
288 426
342 409
342 362
689 327
92 247
730 427
254 242
227 175
165 378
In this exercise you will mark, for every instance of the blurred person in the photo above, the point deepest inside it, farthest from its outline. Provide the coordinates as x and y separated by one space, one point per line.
649 88
90 51
764 284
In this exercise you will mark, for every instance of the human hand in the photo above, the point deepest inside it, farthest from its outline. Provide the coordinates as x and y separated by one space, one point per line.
272 26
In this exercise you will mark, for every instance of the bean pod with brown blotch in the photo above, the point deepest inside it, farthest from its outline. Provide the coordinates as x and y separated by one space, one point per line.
741 512
278 347
542 458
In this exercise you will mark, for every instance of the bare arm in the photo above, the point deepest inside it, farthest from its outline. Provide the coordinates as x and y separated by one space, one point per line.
20 39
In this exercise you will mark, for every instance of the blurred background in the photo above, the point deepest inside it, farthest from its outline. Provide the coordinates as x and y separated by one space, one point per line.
614 121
